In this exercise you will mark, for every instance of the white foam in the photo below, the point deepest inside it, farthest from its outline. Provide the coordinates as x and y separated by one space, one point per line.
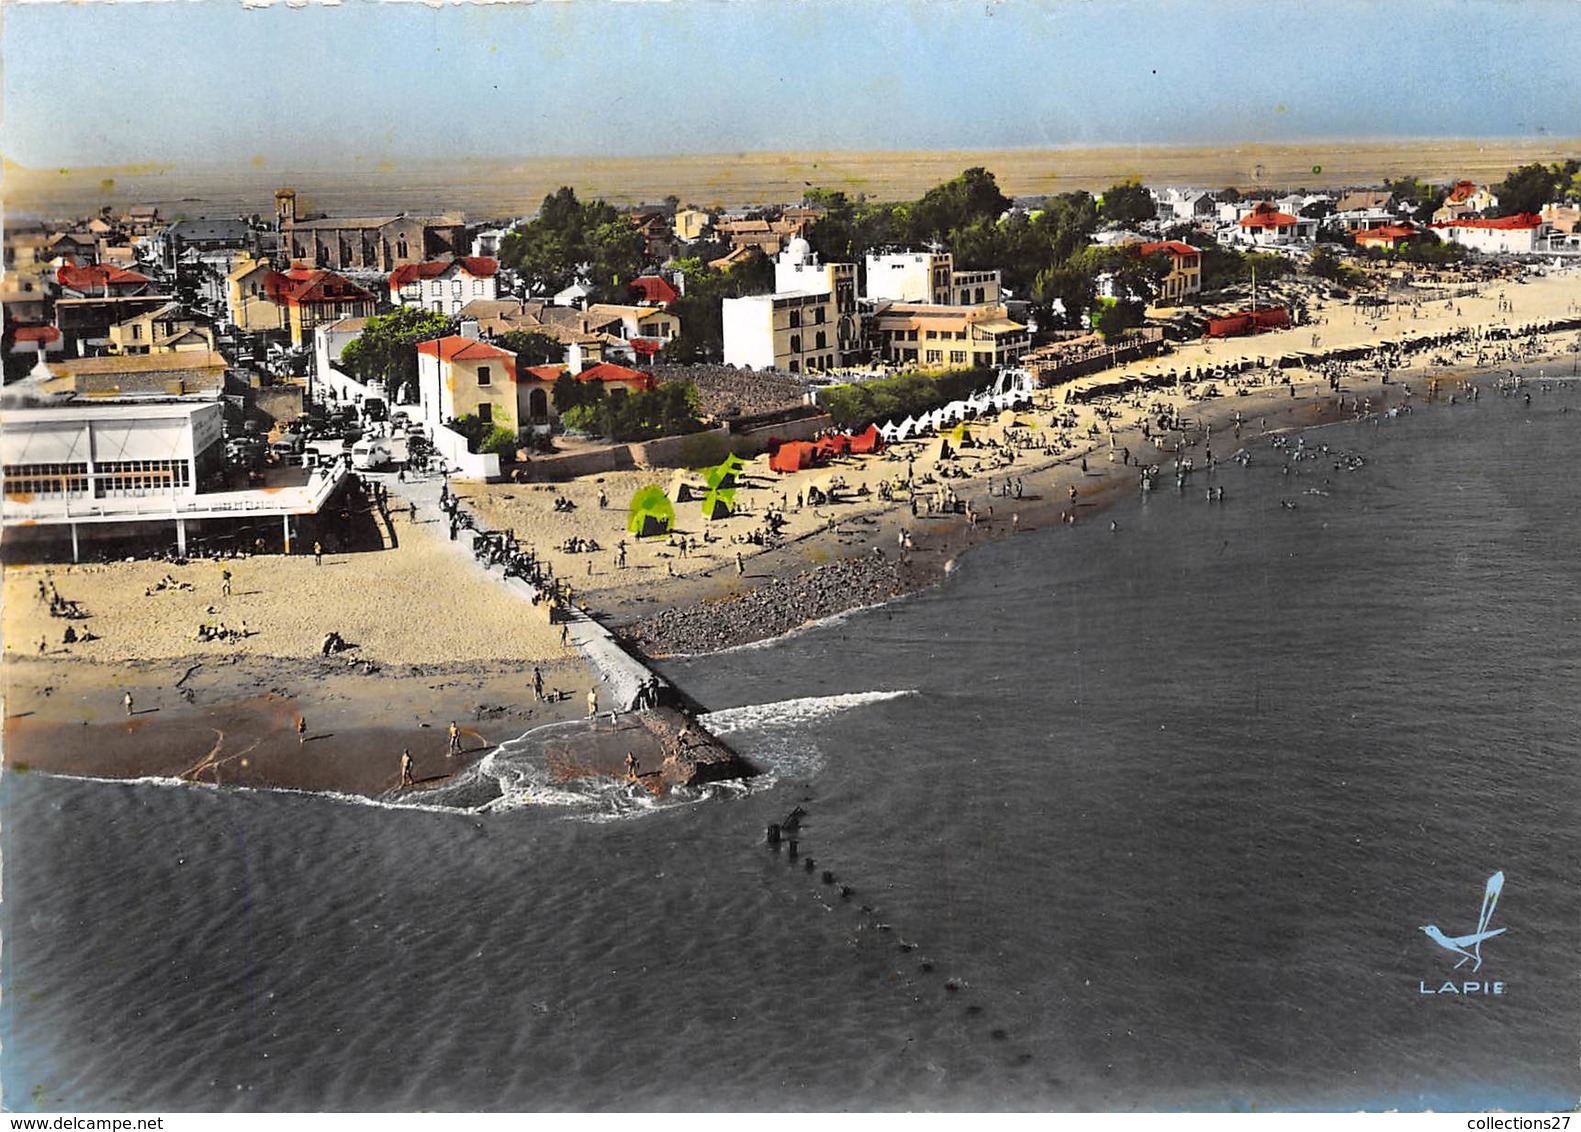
783 714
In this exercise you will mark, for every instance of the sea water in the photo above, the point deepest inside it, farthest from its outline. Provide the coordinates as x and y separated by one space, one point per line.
1139 818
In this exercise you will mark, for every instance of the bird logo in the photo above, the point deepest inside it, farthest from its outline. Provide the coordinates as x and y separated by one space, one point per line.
1469 947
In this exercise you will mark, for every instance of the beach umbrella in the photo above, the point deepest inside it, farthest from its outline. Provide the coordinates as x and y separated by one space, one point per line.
650 513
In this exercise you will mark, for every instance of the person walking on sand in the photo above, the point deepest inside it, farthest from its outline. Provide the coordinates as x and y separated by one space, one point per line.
592 702
741 564
406 769
537 683
225 583
411 512
455 740
127 700
631 767
301 730
318 554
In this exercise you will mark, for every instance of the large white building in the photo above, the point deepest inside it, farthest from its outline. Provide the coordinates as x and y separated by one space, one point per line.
927 277
809 324
138 471
1521 234
795 331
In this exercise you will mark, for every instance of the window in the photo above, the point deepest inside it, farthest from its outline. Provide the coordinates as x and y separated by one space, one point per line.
400 248
795 318
821 340
795 343
932 334
137 331
911 336
958 357
979 294
483 375
819 315
455 288
935 355
46 479
485 412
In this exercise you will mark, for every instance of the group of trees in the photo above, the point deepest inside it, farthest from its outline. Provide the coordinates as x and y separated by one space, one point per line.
905 394
623 415
1529 187
570 240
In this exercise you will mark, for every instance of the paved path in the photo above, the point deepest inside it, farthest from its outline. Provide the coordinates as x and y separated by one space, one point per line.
620 674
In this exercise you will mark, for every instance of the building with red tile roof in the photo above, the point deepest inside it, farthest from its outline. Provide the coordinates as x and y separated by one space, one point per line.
101 281
313 297
1388 236
444 285
1185 269
1266 226
1522 234
653 289
459 377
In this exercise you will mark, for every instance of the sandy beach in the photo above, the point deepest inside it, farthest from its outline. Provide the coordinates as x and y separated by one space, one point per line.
434 639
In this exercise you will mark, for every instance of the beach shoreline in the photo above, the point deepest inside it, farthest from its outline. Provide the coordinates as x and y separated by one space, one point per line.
229 712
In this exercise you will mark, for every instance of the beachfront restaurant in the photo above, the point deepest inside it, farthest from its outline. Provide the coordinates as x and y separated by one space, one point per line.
81 478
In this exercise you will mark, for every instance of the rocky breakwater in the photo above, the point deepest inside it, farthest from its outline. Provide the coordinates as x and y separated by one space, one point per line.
659 749
768 610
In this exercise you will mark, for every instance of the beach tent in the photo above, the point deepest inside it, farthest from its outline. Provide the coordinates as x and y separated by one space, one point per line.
651 512
867 441
719 503
792 456
723 474
683 488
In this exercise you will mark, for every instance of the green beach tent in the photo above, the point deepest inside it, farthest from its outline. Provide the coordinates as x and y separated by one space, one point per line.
719 503
723 474
650 513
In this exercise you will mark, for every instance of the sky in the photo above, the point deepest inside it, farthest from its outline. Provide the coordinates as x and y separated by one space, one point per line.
116 83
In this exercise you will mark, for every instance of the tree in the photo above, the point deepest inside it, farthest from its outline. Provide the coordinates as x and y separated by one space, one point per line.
972 196
569 240
1128 202
385 350
1530 187
1422 198
533 347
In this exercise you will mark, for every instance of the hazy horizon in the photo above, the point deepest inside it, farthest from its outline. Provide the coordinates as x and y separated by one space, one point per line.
359 84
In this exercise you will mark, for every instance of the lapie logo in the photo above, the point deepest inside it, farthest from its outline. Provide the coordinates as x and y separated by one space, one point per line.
1469 946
